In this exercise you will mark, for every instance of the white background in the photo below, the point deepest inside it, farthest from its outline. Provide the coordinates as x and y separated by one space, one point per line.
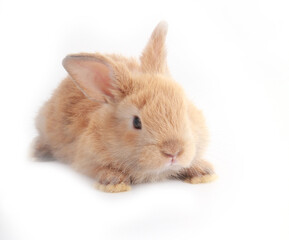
232 57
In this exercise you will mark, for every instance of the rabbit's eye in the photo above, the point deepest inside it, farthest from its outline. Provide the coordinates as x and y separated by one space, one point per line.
136 122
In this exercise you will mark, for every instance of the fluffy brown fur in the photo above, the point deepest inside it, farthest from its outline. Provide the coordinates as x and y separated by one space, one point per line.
88 122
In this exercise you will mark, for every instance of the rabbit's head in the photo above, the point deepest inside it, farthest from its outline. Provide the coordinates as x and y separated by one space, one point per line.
148 122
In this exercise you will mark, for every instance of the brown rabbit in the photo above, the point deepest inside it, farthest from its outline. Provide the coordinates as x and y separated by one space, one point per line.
123 121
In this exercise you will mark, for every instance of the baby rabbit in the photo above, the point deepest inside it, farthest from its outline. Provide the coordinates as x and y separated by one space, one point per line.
124 121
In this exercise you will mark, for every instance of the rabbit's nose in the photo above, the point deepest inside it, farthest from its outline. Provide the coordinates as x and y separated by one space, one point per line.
170 155
172 158
172 148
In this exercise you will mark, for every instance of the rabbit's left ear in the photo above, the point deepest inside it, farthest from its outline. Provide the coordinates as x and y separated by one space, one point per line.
154 56
98 77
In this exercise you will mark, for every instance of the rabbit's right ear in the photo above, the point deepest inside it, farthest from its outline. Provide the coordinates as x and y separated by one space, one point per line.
154 56
96 76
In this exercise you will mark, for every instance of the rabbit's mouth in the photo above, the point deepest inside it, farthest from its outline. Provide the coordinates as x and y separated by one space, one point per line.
171 165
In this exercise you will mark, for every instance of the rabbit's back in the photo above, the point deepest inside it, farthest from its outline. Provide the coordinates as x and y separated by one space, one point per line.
62 119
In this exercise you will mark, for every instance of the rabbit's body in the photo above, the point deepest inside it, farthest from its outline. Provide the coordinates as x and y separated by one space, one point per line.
123 121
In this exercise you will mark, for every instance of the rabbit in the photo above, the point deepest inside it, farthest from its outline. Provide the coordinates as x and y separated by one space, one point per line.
124 121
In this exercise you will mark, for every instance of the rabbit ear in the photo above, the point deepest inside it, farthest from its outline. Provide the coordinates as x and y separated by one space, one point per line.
153 58
96 76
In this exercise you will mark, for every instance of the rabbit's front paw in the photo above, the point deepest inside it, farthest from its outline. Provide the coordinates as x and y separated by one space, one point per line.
113 188
200 172
202 179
